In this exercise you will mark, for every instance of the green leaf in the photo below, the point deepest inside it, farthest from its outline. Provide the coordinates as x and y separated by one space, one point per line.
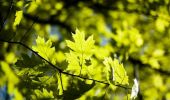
45 49
80 45
28 62
18 17
115 71
44 94
80 53
76 89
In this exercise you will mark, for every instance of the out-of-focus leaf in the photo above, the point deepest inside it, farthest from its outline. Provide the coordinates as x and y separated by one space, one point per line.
28 62
18 17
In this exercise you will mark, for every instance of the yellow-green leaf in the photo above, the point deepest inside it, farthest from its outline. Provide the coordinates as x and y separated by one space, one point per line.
81 51
45 49
18 17
80 45
115 71
44 94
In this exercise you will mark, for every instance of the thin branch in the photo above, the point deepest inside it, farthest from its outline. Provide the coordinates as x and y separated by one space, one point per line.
60 70
25 34
10 8
48 21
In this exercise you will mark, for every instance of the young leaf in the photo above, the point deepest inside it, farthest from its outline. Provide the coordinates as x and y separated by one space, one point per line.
44 94
115 71
135 89
80 45
18 17
45 50
81 50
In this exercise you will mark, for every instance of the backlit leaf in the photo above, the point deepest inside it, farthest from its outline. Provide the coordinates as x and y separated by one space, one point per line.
44 94
115 71
45 49
80 45
81 51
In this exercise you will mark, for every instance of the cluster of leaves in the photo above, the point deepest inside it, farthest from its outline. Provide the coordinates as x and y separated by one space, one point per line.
134 32
39 75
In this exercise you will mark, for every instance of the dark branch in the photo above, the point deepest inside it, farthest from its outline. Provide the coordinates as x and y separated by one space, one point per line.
60 70
48 21
26 33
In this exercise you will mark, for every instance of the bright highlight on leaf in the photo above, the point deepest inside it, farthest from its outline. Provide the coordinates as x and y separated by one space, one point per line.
18 17
45 49
115 71
135 89
44 94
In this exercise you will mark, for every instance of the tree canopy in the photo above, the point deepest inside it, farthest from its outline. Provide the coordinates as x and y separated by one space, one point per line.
84 49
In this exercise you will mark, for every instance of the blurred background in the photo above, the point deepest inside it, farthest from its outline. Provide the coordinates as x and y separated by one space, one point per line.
137 32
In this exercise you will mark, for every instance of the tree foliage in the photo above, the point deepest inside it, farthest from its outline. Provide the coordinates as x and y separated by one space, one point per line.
84 49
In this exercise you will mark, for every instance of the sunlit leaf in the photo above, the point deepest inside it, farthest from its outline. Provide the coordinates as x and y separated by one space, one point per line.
45 49
12 81
115 71
81 51
80 45
44 94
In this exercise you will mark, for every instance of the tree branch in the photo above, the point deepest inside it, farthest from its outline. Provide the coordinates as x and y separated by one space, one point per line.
60 70
161 71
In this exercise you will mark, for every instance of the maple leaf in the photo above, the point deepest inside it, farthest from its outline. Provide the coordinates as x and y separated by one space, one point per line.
80 45
81 51
115 71
45 49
